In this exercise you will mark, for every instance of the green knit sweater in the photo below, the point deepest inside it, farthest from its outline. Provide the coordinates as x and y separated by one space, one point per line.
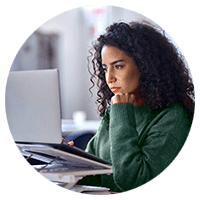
138 143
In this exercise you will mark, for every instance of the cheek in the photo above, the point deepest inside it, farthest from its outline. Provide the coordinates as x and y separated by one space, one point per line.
132 83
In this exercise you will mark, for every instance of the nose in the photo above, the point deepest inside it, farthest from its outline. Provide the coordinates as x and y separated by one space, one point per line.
110 76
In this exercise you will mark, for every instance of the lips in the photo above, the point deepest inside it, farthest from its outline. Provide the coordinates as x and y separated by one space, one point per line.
114 89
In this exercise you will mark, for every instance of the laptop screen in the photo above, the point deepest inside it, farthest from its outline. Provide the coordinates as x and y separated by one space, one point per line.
33 106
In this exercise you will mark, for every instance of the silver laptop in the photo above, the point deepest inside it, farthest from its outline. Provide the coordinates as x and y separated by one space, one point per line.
33 106
34 114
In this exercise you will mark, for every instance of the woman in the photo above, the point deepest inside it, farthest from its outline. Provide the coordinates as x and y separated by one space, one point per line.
146 100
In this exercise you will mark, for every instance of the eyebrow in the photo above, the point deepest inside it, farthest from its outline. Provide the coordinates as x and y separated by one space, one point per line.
114 62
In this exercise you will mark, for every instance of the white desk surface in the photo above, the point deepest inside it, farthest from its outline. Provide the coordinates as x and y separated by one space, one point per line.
68 125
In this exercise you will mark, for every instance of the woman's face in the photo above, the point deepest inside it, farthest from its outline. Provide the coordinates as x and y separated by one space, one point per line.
121 72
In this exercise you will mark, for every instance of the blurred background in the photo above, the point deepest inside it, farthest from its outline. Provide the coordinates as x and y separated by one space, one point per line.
63 43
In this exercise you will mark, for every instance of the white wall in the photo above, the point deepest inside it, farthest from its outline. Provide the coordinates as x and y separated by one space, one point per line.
74 76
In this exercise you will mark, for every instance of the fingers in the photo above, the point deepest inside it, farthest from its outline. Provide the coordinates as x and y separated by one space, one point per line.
118 98
126 97
123 98
131 98
71 143
64 141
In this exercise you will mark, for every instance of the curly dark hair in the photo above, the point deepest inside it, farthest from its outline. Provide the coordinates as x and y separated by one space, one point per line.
164 75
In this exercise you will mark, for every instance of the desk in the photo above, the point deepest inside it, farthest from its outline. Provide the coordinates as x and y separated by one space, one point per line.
68 125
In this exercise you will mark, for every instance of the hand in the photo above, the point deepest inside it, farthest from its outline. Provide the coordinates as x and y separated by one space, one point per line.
71 142
123 98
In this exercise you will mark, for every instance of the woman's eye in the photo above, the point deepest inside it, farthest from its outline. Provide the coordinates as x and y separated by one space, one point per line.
118 66
105 69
